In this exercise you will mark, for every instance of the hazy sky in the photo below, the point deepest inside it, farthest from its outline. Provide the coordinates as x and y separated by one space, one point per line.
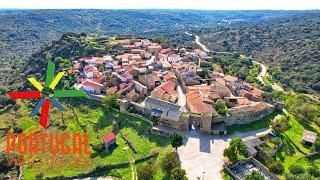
164 4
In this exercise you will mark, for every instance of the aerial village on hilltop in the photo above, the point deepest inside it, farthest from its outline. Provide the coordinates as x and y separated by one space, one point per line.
164 84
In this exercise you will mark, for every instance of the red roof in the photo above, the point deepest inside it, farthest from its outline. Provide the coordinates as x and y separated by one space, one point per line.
92 84
109 137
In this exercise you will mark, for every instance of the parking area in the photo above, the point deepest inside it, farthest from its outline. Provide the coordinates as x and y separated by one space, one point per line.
202 155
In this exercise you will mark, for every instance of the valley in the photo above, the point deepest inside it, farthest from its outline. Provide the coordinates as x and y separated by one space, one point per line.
187 96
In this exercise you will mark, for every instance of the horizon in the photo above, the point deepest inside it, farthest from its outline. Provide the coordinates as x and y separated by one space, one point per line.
164 5
162 9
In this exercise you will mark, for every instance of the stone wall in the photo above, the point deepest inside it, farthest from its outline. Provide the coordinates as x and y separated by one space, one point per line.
244 117
186 119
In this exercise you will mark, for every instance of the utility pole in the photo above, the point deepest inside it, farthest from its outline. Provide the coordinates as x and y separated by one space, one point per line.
203 175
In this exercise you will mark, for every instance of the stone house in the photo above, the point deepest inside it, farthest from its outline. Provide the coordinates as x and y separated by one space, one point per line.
109 141
91 87
166 92
149 80
308 138
167 113
252 142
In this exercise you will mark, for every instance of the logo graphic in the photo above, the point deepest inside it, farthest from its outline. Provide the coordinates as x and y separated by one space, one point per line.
46 94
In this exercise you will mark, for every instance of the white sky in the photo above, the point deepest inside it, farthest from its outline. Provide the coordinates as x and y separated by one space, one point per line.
164 4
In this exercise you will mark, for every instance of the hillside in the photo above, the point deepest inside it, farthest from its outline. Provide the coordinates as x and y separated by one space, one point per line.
289 46
24 32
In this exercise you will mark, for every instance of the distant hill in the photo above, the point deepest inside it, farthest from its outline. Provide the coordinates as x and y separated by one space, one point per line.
24 32
289 46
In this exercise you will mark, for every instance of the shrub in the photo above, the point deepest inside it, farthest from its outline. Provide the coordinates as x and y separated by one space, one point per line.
255 176
169 162
296 169
97 147
304 176
236 146
314 171
276 140
317 121
146 171
221 107
281 124
290 177
178 174
276 167
223 111
230 154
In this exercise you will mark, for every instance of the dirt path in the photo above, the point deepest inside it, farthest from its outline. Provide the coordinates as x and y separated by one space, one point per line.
262 73
198 42
134 174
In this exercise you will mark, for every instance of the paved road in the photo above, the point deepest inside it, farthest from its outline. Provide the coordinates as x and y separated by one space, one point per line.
182 100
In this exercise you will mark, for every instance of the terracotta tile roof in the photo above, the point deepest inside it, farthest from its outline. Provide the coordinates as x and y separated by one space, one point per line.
230 78
148 78
90 68
113 89
125 88
196 104
251 108
220 81
92 84
165 91
169 76
239 100
109 137
256 92
309 136
165 51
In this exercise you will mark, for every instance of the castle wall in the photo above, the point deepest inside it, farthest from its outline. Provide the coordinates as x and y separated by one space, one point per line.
243 117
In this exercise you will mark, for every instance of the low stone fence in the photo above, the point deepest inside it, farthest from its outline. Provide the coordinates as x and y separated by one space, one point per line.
313 156
95 97
100 170
243 118
139 116
129 142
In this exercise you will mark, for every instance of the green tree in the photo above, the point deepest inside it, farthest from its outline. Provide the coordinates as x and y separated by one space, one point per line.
276 167
176 140
169 162
231 154
110 101
313 171
236 147
306 112
220 103
159 40
296 169
221 107
39 176
146 171
239 146
255 176
178 174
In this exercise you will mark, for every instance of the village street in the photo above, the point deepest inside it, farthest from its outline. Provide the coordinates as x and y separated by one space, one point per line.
182 101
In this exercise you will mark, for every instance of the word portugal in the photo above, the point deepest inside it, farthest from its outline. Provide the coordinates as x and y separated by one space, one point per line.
48 143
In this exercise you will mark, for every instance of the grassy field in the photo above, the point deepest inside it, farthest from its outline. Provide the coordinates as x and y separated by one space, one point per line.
263 123
293 152
89 118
